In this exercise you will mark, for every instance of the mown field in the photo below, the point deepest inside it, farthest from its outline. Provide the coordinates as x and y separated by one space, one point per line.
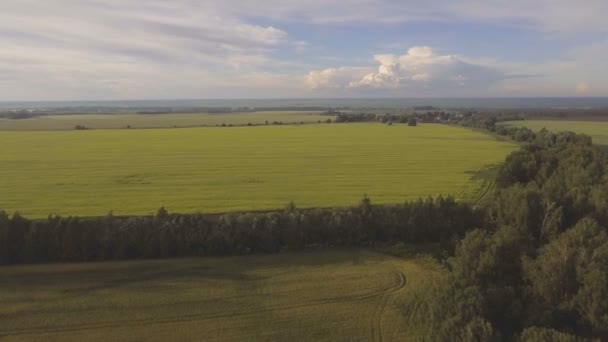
210 170
597 130
348 295
118 121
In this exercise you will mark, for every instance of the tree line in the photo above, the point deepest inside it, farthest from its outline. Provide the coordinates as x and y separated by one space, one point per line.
59 239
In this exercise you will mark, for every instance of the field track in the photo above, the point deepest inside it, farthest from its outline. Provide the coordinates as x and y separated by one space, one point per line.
376 327
318 295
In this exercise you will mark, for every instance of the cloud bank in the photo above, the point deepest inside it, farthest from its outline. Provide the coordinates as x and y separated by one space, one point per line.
418 71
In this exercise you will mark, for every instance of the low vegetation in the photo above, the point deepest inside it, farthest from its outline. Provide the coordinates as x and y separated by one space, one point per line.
215 170
322 296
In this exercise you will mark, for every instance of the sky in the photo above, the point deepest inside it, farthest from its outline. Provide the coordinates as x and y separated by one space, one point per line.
198 49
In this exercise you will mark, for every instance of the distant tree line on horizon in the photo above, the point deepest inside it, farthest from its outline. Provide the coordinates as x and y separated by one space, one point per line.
16 114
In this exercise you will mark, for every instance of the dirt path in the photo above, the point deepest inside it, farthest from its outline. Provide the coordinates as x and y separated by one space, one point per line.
376 330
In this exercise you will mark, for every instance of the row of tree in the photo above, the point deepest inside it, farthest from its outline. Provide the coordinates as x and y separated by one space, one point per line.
410 118
169 235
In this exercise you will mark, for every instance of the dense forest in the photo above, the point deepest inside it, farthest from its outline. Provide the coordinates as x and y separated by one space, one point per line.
530 263
539 267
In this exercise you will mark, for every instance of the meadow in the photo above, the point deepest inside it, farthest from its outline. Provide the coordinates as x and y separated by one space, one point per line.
597 130
118 121
213 170
343 295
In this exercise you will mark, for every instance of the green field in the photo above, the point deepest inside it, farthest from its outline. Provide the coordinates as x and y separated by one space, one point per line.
597 130
331 296
117 121
89 173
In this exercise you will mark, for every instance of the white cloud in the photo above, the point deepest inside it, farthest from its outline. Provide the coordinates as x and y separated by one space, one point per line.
419 69
582 88
334 78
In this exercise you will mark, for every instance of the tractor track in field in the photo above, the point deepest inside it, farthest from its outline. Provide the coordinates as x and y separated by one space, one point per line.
488 189
376 323
397 285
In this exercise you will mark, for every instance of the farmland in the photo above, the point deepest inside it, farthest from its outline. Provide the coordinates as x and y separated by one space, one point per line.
331 295
597 130
89 173
118 121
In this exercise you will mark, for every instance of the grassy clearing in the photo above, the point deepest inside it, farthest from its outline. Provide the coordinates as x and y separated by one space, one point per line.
117 121
89 173
345 295
597 130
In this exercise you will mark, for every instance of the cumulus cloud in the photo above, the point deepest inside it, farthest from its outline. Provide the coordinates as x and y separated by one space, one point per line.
582 88
420 68
333 78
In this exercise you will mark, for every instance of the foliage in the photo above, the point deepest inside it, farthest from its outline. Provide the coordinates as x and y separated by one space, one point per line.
170 235
598 131
542 259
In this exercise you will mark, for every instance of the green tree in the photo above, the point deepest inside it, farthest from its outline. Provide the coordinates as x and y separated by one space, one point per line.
571 274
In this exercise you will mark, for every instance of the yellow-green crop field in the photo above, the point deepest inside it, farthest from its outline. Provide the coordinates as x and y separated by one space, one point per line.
213 170
597 130
118 121
349 295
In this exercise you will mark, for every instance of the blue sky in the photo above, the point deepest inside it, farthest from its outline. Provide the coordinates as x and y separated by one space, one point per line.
131 49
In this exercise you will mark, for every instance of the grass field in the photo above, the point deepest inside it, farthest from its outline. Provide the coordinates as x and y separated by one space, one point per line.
344 295
597 130
117 121
89 173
